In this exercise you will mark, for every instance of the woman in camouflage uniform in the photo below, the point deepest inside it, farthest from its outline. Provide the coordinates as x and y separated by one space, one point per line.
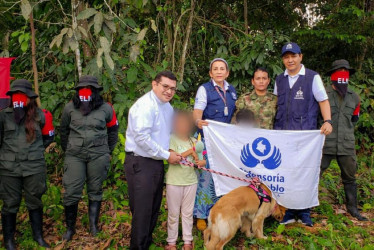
89 133
25 131
261 102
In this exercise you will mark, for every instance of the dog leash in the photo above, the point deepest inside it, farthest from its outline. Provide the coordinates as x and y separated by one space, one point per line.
254 181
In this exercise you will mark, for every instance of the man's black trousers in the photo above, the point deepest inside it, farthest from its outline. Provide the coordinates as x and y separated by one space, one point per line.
145 179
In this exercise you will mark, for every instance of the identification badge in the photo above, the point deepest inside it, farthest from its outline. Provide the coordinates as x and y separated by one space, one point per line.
226 111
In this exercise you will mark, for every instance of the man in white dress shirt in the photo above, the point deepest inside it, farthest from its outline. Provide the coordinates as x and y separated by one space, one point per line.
147 145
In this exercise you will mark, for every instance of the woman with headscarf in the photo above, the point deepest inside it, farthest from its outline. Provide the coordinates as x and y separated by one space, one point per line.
89 133
215 100
25 132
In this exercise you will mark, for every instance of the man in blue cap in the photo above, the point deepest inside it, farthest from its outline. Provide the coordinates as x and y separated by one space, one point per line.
301 98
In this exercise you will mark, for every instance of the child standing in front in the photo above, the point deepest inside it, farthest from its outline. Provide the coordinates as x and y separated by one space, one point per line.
181 182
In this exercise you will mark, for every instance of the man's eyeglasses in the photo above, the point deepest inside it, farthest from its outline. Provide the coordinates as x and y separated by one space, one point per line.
166 87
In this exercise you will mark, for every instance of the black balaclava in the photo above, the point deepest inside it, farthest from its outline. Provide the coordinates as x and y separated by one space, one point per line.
85 97
19 101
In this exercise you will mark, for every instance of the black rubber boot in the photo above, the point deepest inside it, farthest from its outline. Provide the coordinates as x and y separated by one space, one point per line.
36 220
71 218
9 228
351 201
93 216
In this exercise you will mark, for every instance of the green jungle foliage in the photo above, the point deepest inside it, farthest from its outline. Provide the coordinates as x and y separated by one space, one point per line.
125 43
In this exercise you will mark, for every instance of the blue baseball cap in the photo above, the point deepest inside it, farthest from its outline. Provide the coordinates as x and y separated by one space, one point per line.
291 47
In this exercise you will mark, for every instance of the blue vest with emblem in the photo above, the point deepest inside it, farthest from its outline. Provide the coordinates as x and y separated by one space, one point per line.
215 105
297 107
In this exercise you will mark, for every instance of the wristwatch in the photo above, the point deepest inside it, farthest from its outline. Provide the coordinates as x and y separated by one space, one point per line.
329 121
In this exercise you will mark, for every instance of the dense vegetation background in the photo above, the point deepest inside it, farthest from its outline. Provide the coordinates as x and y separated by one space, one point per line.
126 42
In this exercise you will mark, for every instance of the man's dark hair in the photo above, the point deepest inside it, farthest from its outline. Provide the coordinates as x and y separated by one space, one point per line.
96 102
260 69
245 116
167 74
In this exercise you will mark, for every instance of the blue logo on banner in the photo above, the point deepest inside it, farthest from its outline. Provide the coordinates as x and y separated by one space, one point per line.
261 148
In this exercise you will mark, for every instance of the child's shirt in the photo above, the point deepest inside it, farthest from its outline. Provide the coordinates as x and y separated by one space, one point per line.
178 174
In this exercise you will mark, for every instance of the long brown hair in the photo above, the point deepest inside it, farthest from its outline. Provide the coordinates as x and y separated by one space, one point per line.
30 120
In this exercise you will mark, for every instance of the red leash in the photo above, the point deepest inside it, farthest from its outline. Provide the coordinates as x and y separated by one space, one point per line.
254 181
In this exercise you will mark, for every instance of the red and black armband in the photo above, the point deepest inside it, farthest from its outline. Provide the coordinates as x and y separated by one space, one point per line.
356 114
112 129
48 131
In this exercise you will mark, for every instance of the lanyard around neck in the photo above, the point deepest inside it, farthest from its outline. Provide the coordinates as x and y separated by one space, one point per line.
223 97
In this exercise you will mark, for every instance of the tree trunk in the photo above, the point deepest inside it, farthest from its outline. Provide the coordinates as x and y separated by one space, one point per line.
245 16
5 41
75 25
368 5
361 57
169 33
175 40
185 43
87 52
33 57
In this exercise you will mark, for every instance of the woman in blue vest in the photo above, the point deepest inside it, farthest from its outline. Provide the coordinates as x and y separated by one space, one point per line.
215 100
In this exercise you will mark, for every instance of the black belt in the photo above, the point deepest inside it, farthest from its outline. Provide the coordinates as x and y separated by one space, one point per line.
136 155
133 154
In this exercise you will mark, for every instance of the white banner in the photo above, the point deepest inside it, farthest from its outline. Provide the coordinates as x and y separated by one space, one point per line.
288 162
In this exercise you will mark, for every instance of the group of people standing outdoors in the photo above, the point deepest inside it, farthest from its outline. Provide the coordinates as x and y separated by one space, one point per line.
155 133
88 132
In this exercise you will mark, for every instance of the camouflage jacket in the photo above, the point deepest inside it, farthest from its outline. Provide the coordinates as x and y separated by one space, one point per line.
90 133
342 139
263 107
19 158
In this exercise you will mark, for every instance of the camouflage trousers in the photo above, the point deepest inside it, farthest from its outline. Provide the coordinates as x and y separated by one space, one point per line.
34 186
78 171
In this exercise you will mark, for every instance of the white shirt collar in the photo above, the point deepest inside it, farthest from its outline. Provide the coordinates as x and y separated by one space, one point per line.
225 84
300 73
154 96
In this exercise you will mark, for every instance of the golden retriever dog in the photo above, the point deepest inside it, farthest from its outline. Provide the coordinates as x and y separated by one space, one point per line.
240 208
